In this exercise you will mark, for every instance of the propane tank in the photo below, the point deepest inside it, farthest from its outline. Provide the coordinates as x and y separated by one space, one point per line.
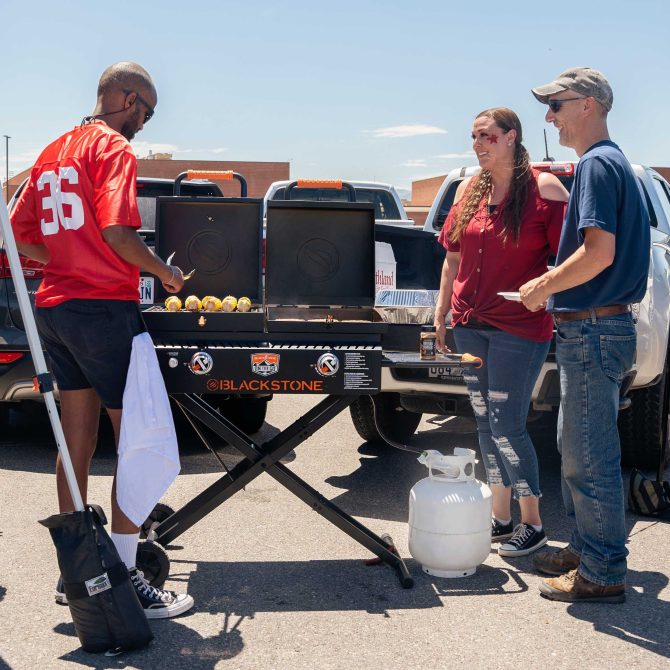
450 515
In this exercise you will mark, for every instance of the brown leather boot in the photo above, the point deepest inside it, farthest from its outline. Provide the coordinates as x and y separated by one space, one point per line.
572 587
556 562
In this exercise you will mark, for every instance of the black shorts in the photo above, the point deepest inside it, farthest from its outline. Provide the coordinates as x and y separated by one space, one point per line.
89 344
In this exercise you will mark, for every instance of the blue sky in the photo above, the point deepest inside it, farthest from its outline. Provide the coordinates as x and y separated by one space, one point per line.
358 90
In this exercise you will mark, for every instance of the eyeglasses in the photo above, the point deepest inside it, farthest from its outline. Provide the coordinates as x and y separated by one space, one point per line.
150 110
555 105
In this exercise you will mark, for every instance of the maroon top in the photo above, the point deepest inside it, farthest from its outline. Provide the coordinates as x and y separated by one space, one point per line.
490 265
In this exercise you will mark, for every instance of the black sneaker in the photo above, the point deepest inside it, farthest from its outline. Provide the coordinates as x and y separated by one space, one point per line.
59 595
525 541
501 531
158 603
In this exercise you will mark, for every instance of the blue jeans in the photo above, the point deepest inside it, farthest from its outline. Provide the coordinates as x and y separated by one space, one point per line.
593 356
500 393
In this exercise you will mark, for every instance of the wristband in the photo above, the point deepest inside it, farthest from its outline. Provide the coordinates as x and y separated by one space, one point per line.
172 276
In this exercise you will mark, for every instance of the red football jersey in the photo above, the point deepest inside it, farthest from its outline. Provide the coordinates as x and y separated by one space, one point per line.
81 184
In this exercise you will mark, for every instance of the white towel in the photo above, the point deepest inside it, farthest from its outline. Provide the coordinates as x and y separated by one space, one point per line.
148 451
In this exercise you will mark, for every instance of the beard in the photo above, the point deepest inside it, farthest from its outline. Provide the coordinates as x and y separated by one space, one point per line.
131 125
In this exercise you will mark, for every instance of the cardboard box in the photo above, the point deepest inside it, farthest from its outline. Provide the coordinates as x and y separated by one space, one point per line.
385 267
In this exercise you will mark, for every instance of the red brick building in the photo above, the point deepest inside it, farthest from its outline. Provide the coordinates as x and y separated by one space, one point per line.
259 175
423 194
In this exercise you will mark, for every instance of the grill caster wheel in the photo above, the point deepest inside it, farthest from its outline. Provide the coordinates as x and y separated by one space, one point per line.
153 561
157 516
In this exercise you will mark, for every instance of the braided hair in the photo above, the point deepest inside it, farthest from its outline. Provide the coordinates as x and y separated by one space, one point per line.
511 209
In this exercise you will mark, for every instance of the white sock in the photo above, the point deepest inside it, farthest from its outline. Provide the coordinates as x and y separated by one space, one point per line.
126 545
504 522
537 528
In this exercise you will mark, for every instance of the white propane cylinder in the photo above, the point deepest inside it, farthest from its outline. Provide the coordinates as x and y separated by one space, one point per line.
450 515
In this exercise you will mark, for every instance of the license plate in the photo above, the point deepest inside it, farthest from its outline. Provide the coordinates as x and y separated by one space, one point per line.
146 290
445 372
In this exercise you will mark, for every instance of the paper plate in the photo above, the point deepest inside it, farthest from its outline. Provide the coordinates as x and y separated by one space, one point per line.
511 295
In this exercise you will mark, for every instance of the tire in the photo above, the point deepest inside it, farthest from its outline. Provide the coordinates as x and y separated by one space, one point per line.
643 428
248 414
158 515
395 422
153 561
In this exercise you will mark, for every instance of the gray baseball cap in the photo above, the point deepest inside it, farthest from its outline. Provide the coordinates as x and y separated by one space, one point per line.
583 80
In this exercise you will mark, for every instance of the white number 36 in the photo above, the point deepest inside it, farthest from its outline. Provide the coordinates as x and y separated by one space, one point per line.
57 199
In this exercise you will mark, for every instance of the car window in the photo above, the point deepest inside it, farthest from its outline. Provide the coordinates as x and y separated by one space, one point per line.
385 206
662 193
449 195
445 205
147 192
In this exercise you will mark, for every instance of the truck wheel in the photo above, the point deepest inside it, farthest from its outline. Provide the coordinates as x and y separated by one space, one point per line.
248 414
643 429
395 422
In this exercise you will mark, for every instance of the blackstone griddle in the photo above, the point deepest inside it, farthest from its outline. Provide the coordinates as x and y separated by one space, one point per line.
312 329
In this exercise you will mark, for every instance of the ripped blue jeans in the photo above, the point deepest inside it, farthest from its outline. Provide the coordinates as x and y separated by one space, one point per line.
500 393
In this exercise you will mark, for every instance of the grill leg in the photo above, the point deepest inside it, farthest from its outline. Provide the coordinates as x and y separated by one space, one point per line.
264 458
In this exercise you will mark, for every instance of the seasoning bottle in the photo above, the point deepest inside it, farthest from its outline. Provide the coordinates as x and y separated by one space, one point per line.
428 343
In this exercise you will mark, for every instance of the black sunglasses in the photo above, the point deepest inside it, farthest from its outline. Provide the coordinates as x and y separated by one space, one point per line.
150 110
555 105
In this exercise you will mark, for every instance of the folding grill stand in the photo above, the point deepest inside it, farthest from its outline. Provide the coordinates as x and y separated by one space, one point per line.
265 457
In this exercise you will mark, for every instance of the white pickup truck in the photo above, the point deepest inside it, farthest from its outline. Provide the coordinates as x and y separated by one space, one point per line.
388 206
644 417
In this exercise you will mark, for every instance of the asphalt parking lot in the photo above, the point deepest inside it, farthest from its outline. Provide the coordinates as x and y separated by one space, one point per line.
276 586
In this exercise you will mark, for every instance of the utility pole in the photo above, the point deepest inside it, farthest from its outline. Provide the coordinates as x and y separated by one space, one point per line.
7 138
547 157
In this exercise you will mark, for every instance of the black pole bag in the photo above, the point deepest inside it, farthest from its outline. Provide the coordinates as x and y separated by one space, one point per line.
105 610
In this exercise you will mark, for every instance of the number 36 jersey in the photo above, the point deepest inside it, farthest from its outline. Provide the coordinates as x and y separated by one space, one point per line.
81 184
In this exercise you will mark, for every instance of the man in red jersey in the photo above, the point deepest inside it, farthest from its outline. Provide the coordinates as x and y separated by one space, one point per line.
78 215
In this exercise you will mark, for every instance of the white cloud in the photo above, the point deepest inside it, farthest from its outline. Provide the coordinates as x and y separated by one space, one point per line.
406 131
18 161
414 163
465 154
219 150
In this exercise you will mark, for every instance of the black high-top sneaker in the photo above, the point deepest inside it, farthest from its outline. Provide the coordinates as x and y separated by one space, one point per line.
525 541
158 603
501 531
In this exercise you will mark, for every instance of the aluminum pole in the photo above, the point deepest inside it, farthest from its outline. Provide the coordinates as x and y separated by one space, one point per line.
37 353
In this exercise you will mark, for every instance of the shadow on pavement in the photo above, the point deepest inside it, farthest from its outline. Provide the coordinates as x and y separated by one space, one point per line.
27 444
175 646
3 665
643 620
487 581
235 592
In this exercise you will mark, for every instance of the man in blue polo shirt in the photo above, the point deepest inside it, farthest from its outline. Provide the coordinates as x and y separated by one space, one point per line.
601 270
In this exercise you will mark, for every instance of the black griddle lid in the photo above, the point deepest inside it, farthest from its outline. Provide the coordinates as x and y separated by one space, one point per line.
221 238
320 253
